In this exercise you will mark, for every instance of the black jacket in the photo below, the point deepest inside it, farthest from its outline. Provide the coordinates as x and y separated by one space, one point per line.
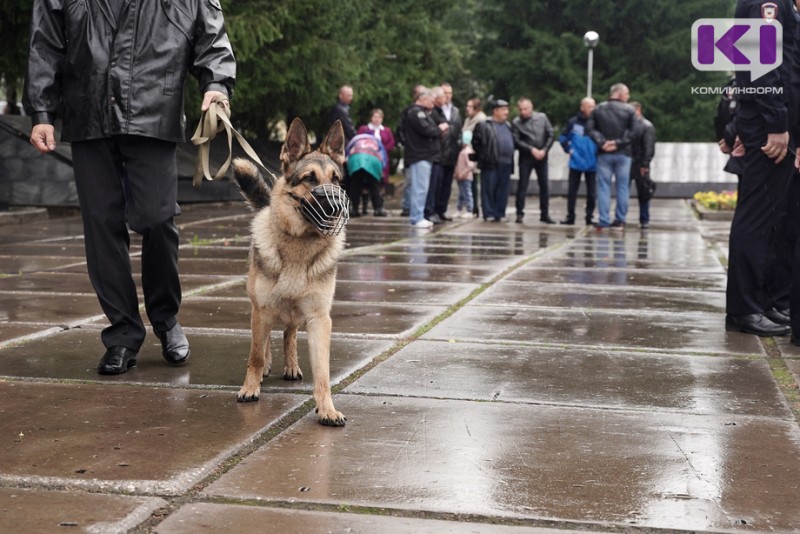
768 112
484 142
612 120
643 147
451 142
342 112
421 136
105 76
535 132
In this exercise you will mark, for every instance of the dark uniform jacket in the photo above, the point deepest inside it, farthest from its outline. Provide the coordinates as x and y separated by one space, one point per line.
612 120
767 112
643 147
105 73
534 132
421 136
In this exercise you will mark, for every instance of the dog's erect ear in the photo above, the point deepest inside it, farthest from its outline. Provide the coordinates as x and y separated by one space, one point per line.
333 145
296 145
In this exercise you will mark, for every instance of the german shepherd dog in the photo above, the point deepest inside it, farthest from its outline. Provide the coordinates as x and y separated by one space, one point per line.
297 239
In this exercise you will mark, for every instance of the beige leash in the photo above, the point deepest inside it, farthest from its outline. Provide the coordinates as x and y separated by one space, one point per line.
215 119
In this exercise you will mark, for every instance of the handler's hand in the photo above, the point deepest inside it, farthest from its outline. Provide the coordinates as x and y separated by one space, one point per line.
214 96
776 146
43 138
723 146
738 148
797 159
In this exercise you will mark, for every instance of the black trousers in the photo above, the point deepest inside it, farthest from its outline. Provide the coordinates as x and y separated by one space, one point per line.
130 181
444 189
572 193
753 272
526 165
359 181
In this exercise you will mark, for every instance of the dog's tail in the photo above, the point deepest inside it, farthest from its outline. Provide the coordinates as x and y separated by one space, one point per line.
254 189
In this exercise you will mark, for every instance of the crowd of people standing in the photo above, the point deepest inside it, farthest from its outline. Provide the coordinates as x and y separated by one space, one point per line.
605 142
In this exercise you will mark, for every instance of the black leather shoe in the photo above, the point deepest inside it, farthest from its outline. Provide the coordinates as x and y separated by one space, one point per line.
547 220
778 316
567 221
435 219
380 213
174 345
116 361
518 219
444 217
405 213
755 323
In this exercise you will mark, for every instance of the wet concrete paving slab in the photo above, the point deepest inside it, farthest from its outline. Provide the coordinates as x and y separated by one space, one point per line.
690 280
11 265
208 517
48 308
591 377
610 262
49 282
218 359
71 248
475 251
626 468
580 296
21 510
681 332
347 317
495 261
133 439
12 331
424 273
386 292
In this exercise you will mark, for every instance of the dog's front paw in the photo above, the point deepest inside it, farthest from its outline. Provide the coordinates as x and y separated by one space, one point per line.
292 373
331 418
247 394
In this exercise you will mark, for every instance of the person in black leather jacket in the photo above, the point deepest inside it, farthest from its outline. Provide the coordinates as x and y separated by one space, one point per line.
493 143
114 72
533 137
611 127
643 148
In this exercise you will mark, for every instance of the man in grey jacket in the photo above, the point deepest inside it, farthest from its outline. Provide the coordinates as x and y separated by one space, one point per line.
114 72
533 137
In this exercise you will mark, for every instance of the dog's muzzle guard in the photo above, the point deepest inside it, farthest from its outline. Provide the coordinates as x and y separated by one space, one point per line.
328 209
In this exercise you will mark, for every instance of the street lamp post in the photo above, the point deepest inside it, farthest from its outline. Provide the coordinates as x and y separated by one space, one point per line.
590 39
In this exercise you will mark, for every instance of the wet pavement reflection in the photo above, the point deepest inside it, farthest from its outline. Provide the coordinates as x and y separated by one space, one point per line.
496 378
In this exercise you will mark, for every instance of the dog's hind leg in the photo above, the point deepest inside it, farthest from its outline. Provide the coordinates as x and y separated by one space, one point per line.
291 369
319 344
260 360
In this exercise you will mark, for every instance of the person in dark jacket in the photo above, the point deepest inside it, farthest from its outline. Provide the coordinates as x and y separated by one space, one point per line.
450 147
582 160
341 111
643 148
611 127
533 137
437 171
493 143
763 123
114 72
421 136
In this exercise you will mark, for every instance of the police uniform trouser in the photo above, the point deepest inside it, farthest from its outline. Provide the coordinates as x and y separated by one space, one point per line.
130 181
753 239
